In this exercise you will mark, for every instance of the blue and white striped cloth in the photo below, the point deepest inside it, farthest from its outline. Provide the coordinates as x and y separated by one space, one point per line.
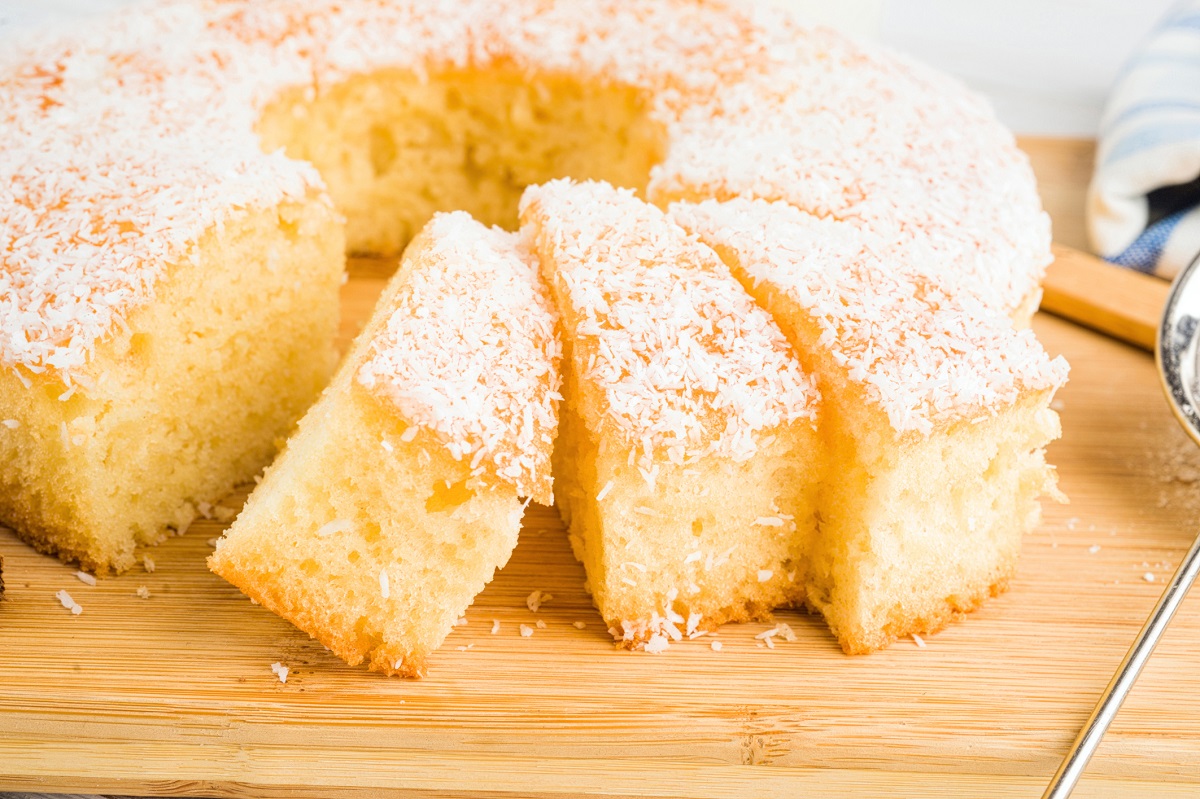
1144 202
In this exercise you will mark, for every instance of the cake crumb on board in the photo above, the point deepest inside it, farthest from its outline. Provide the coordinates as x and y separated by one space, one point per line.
535 600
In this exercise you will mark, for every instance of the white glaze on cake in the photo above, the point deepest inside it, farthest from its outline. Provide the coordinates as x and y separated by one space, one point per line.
125 142
926 356
470 354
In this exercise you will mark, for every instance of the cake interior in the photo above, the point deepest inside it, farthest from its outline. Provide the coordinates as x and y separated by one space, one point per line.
917 532
717 542
914 530
185 402
394 147
410 515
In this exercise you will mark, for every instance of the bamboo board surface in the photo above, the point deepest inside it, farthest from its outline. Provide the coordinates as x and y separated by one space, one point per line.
1118 302
174 694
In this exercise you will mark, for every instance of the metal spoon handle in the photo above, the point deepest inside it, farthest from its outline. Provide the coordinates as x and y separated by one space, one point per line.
1118 688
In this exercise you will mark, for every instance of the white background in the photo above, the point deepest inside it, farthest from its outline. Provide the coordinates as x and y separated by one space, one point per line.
1045 64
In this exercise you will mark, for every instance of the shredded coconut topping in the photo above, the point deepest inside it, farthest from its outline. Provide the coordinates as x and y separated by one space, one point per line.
687 364
925 353
125 141
901 153
470 352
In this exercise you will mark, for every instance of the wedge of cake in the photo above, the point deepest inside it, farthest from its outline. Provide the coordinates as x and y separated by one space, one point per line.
936 412
401 492
687 460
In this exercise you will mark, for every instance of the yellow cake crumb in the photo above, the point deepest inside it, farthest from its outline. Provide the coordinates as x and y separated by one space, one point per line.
935 415
677 386
378 553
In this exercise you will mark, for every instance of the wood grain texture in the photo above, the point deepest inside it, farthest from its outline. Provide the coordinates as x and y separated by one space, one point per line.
1064 169
1118 302
174 694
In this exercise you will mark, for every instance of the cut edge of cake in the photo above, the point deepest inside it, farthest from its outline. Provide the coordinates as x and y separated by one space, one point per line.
379 563
676 387
238 344
935 417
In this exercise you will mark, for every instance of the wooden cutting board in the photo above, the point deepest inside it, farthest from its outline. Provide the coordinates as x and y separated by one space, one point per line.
174 694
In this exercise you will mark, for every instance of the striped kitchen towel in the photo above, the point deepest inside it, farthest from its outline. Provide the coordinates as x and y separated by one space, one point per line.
1144 202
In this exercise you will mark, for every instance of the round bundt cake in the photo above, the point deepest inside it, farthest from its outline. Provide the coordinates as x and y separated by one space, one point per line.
181 183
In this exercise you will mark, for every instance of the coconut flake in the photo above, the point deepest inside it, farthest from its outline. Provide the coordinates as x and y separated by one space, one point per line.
334 527
69 603
657 644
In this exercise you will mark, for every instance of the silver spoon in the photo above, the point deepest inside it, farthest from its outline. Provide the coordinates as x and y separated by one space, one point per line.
1178 359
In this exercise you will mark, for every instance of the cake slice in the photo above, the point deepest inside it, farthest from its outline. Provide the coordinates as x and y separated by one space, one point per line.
401 492
688 457
183 397
935 414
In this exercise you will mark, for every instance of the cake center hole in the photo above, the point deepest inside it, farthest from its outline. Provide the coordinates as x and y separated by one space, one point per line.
394 147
